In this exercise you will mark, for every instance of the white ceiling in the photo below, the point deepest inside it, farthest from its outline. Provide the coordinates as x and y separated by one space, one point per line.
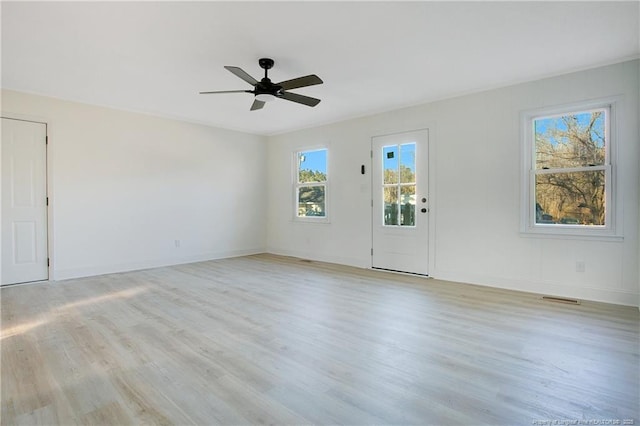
155 57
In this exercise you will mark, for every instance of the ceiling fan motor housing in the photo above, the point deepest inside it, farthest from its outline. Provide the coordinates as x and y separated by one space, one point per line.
267 87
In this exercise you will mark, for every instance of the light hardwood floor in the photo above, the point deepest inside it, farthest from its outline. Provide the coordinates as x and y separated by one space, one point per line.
268 339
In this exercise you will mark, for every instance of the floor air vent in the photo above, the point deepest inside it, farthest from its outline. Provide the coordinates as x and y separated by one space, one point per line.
561 300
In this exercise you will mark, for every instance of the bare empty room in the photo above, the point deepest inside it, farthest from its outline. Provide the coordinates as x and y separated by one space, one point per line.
390 213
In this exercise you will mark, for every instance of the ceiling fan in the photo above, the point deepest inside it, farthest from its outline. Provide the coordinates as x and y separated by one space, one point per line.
265 91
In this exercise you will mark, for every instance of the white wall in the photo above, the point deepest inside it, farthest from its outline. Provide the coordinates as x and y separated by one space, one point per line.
474 190
125 186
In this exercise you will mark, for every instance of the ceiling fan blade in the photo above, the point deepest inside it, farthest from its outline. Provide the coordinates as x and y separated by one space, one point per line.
257 105
226 91
239 72
301 99
307 80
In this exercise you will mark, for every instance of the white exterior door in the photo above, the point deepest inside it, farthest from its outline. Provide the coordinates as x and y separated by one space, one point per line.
24 202
400 202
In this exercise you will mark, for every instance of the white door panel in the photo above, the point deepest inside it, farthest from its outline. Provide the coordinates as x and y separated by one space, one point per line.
400 221
24 209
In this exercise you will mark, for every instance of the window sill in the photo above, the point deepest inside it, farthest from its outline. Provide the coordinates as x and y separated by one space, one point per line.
318 220
559 235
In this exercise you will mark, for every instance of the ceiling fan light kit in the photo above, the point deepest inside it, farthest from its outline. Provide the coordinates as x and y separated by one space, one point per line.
265 97
266 91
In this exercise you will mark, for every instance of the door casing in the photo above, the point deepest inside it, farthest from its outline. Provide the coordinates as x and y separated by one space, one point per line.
401 248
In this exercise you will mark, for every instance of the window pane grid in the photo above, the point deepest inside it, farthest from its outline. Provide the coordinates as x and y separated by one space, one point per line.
311 184
570 170
398 185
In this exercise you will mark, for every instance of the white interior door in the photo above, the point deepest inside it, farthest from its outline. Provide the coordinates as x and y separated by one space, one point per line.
400 210
24 202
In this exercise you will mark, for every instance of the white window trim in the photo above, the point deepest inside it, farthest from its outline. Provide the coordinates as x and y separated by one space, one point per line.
612 230
296 185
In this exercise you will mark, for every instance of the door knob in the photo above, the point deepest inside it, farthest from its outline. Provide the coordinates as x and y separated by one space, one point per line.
423 210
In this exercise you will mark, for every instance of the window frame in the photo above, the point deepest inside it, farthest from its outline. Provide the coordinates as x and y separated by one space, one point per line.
529 227
297 185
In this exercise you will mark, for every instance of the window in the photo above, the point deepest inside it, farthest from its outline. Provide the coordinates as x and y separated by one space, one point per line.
568 187
311 184
399 184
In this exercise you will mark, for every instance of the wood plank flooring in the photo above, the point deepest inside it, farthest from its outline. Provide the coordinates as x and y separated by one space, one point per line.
273 340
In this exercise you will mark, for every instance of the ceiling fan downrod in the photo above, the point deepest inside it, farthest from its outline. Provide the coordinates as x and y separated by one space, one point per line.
266 64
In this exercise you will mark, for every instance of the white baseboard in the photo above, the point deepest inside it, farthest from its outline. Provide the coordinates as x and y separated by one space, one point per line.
89 271
340 260
617 297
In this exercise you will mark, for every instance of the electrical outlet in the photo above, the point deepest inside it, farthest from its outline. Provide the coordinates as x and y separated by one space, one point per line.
580 266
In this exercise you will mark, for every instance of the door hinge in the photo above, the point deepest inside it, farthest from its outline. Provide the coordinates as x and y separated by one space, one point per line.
47 200
371 152
47 262
371 203
46 140
371 252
